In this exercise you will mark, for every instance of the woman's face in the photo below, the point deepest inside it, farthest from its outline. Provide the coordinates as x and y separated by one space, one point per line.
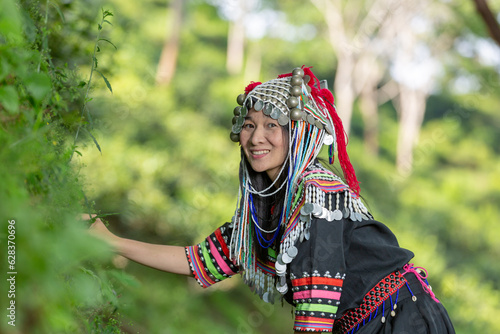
263 143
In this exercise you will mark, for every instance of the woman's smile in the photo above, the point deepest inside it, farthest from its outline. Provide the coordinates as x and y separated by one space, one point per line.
264 143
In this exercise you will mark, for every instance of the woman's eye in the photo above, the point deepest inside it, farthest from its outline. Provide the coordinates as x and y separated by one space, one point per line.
247 126
272 125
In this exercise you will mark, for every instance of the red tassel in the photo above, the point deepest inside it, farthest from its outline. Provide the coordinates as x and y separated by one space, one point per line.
344 160
325 98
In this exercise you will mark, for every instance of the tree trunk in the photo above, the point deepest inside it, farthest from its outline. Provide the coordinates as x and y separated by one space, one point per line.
369 112
236 42
253 64
170 51
412 104
344 90
369 74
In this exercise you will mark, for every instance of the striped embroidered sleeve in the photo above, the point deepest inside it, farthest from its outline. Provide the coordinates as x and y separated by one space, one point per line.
209 260
317 275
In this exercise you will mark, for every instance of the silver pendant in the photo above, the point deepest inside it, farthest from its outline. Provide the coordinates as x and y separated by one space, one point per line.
258 105
275 113
283 120
280 268
265 297
317 210
337 214
282 288
292 252
324 213
307 209
268 109
286 258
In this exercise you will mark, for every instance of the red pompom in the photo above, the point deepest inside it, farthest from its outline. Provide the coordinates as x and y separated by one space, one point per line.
251 86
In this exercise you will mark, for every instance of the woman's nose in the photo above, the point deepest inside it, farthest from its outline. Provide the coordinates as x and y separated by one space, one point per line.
258 136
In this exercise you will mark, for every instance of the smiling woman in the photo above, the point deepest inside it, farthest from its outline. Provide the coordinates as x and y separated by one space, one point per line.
264 143
300 233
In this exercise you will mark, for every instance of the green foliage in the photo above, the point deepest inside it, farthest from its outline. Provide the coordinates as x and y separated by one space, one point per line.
165 163
57 289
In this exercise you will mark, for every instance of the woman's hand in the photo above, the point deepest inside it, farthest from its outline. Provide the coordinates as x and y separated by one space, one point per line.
99 230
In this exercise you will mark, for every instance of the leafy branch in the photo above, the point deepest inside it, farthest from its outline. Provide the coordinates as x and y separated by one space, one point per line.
85 110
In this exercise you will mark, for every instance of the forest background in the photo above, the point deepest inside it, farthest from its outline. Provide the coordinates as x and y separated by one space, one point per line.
124 108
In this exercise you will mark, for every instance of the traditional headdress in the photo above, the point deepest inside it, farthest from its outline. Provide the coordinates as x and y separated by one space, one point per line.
302 102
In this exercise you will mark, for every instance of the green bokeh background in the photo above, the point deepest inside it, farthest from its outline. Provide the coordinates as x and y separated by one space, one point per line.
168 171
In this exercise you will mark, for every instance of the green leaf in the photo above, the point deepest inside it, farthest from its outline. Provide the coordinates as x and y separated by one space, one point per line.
9 99
106 21
106 13
93 138
58 10
106 40
38 85
106 81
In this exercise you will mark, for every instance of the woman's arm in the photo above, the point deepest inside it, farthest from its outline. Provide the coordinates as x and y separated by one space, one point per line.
163 257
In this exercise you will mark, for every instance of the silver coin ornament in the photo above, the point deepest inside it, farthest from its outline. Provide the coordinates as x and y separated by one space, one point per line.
241 99
283 120
330 217
296 91
292 102
298 71
307 234
337 214
236 129
318 210
307 209
280 268
234 137
345 213
265 297
275 114
258 105
353 216
286 258
282 288
296 80
268 109
249 103
296 114
292 252
328 140
324 213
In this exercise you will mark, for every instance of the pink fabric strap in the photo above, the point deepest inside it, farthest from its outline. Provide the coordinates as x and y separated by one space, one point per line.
409 268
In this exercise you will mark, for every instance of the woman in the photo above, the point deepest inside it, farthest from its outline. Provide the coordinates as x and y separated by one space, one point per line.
299 232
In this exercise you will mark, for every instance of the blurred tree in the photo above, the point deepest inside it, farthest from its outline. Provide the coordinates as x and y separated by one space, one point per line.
170 50
489 19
